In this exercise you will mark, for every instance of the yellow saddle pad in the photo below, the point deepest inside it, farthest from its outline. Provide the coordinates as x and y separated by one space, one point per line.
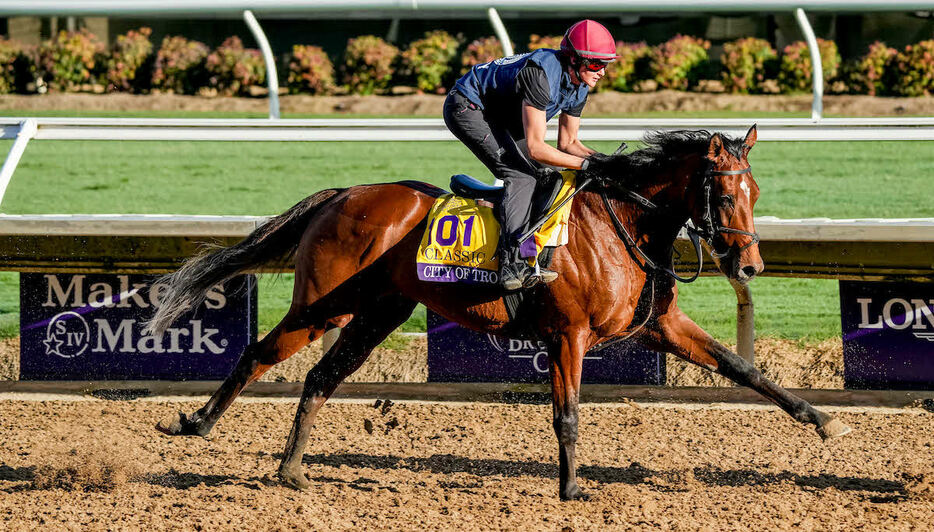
459 244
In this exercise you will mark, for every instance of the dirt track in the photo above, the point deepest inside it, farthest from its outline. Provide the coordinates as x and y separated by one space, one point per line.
441 466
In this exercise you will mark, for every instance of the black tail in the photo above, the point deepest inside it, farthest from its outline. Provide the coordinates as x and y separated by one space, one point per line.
275 240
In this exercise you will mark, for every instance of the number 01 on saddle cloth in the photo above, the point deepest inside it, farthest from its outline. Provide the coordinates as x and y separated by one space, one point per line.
460 242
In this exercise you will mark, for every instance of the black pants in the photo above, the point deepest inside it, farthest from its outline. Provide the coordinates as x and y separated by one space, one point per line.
496 148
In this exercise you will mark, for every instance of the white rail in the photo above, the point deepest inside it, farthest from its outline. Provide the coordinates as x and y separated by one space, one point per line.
431 129
235 7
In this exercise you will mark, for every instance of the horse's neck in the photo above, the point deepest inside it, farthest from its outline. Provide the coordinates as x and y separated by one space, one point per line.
654 228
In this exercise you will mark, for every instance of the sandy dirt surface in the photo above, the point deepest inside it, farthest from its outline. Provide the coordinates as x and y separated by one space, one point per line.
96 465
430 105
791 364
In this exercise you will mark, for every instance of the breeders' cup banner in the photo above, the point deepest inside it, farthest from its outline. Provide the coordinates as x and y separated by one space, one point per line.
888 335
89 327
456 354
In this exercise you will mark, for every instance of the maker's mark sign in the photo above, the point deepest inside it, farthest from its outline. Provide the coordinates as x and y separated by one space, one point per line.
84 326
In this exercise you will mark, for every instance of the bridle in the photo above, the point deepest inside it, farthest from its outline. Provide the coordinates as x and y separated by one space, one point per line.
711 224
710 228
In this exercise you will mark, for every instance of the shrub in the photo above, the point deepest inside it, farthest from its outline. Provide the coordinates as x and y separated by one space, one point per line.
16 66
914 69
310 70
621 74
429 60
126 66
795 72
70 59
871 73
746 64
369 64
179 65
676 64
481 51
233 69
548 41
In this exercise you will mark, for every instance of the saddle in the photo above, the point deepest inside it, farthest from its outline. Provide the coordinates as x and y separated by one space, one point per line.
462 234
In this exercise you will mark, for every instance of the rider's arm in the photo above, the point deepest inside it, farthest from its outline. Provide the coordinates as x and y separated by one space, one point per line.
533 120
568 126
533 88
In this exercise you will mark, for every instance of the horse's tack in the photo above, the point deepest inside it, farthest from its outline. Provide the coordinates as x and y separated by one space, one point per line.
712 228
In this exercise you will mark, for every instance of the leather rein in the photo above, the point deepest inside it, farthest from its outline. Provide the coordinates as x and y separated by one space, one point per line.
710 230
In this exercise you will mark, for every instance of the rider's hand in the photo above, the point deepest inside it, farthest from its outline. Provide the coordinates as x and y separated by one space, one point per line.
598 163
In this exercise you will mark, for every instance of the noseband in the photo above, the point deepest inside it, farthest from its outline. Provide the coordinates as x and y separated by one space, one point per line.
711 228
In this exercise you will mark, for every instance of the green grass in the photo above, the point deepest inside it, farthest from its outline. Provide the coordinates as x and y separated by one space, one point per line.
808 179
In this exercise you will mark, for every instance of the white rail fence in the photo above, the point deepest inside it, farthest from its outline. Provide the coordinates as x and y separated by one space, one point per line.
903 260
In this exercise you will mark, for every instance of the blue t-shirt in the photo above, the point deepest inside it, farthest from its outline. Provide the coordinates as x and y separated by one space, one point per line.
492 86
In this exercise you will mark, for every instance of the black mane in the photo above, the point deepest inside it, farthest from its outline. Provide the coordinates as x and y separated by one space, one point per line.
664 148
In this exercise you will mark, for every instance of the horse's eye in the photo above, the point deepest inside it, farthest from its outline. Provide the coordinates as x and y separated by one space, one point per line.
726 200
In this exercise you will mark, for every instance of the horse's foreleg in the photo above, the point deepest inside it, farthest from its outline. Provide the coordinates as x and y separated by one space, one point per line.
290 335
357 340
566 363
677 334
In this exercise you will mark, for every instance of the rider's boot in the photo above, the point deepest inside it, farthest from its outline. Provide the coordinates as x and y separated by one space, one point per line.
514 271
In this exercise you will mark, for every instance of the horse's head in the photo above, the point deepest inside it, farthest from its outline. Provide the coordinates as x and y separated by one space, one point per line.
729 194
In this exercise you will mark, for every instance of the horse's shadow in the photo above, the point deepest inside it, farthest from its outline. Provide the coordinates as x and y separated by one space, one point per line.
24 476
633 474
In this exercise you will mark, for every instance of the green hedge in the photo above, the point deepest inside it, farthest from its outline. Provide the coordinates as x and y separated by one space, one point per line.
76 61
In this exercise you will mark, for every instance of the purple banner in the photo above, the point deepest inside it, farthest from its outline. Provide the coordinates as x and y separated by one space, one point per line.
89 327
888 335
456 354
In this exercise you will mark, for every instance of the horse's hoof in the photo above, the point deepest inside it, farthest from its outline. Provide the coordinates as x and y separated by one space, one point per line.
574 494
294 479
178 425
832 429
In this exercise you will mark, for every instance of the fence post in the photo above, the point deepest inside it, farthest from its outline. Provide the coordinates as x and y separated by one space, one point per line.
27 130
329 339
272 77
500 30
745 322
817 70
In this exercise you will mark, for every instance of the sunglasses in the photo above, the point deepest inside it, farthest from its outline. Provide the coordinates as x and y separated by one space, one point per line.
595 65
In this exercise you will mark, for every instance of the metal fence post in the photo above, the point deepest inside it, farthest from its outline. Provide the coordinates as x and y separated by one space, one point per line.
272 77
817 72
27 130
500 30
329 339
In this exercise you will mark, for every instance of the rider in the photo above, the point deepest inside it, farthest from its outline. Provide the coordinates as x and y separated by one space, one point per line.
512 98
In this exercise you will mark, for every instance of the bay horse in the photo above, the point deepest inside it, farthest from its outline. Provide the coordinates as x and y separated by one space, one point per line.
355 251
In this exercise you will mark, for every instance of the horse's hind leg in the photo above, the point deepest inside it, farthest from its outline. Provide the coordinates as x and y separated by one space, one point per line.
290 335
357 340
677 334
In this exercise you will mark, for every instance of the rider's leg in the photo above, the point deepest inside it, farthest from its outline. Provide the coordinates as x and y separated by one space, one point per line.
497 149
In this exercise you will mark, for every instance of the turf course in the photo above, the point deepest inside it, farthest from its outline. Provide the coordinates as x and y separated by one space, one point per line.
829 179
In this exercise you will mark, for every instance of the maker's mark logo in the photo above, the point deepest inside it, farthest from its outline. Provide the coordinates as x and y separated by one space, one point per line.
67 335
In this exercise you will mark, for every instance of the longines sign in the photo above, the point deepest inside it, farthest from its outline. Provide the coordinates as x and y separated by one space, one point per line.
83 326
456 354
888 335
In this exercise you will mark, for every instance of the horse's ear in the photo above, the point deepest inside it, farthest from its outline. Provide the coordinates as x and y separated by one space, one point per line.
750 138
715 148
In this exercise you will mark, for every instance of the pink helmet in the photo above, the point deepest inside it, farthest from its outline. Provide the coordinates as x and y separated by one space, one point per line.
590 40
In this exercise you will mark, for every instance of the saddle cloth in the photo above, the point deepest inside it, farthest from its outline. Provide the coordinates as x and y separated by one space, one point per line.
460 242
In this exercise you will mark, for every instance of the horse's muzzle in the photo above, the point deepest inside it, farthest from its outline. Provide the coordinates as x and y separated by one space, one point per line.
746 265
